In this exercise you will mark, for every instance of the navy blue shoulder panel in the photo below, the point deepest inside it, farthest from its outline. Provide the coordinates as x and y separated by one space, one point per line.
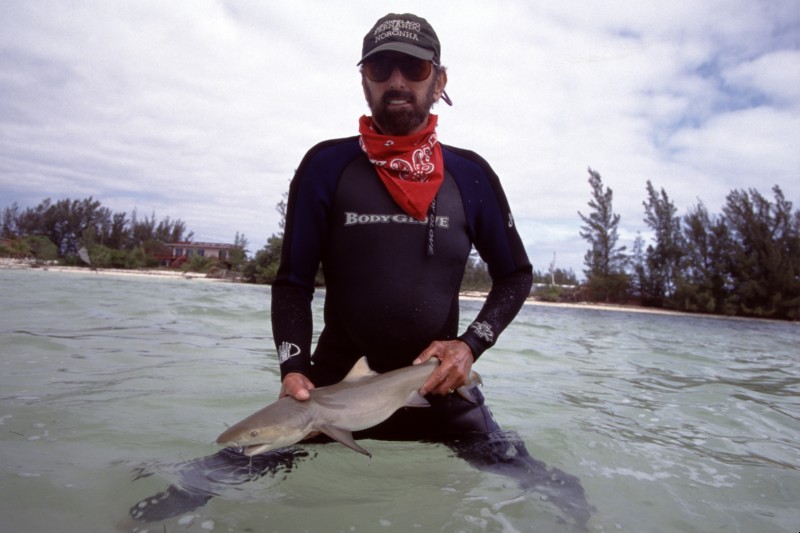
311 196
488 213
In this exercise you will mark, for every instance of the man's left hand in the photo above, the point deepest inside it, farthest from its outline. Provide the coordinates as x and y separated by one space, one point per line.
456 363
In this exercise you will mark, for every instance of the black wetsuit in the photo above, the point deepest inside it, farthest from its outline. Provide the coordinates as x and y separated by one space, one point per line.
392 282
392 287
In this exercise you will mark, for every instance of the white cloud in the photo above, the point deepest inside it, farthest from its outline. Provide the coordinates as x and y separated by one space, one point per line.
745 148
774 75
201 110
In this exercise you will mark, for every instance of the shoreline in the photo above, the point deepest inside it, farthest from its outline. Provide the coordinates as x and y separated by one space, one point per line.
592 306
17 264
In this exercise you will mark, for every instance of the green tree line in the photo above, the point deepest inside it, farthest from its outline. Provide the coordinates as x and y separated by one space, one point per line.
744 261
57 230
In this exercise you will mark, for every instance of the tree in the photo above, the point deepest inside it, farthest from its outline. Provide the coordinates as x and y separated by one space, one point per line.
605 261
663 259
141 231
72 224
238 255
765 254
704 285
117 237
281 208
9 229
264 266
638 265
65 222
171 231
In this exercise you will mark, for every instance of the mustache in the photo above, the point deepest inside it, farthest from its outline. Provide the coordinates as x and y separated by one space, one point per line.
397 94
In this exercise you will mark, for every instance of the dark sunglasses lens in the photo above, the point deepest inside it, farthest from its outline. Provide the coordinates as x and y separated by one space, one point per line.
379 70
416 69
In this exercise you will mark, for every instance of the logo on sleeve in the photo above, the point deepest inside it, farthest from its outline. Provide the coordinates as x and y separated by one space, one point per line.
483 330
286 351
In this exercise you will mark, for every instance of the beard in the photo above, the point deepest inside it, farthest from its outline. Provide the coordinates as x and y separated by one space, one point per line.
400 122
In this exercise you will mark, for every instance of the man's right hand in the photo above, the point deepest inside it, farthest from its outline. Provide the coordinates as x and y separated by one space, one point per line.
297 386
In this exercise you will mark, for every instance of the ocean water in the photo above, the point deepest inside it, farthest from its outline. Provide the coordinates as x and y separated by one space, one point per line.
113 389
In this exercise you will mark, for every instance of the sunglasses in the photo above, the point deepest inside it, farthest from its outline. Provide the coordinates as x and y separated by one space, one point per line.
379 69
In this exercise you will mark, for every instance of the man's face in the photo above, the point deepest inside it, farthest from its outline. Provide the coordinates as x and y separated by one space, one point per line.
399 105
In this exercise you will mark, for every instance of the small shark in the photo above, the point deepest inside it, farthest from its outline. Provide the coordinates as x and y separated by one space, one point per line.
361 400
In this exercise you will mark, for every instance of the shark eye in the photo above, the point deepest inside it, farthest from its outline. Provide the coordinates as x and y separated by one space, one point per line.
254 433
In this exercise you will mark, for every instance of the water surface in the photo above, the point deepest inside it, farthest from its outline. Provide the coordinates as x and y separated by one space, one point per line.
672 423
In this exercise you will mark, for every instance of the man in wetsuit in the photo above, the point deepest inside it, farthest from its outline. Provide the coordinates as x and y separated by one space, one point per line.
392 215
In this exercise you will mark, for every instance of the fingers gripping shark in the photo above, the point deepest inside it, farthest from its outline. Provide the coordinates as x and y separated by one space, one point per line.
361 400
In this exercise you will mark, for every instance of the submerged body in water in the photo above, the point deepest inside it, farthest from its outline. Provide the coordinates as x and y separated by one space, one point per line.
504 453
367 401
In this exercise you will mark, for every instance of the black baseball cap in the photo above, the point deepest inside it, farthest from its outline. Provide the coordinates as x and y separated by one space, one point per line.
407 34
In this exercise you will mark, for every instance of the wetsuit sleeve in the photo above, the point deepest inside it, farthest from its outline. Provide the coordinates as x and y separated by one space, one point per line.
498 243
307 217
292 292
502 304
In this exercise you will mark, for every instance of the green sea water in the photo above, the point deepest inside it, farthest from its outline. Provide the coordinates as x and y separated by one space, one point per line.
672 423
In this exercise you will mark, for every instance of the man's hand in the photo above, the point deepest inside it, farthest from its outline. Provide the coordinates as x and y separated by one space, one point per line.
297 386
456 363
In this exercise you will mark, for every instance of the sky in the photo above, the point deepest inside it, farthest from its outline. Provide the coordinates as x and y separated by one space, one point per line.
201 110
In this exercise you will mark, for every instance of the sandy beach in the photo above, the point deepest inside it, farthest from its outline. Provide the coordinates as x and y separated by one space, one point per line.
155 273
475 295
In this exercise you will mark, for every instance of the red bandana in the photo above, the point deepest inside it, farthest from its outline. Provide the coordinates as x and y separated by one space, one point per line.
411 167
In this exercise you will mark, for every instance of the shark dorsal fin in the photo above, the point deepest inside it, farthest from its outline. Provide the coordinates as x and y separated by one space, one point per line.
359 371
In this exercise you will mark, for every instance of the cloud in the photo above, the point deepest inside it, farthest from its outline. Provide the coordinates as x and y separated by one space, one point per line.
773 76
201 110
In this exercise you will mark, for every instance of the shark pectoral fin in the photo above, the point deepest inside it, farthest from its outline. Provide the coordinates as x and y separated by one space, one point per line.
465 391
415 400
473 380
344 437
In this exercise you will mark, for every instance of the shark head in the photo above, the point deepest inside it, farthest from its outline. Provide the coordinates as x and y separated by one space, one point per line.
280 424
251 441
